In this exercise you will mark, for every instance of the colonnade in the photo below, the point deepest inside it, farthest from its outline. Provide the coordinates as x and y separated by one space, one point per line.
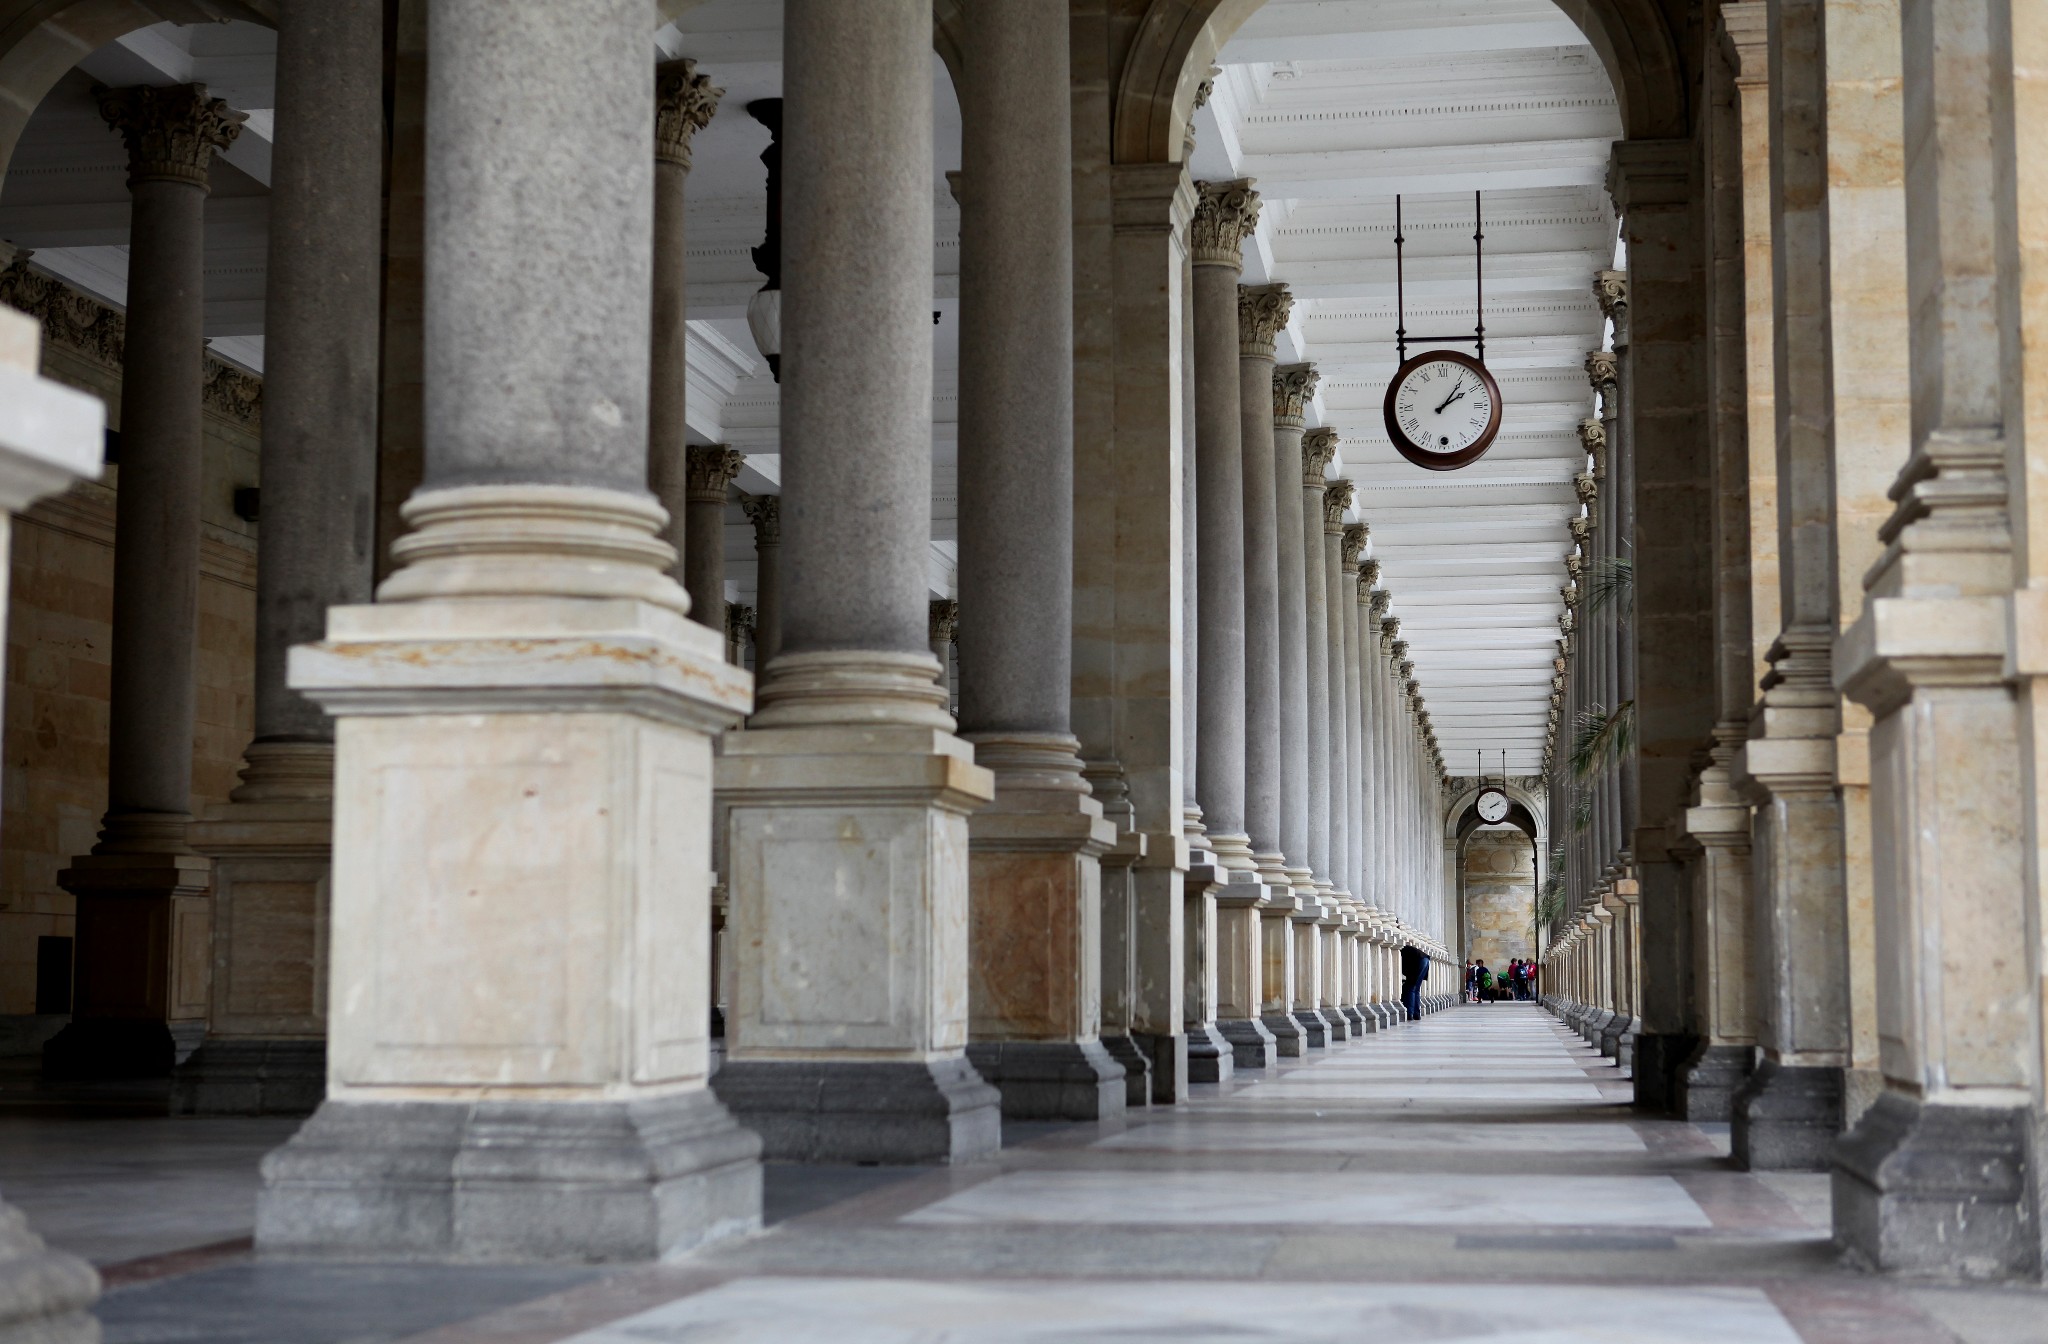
462 899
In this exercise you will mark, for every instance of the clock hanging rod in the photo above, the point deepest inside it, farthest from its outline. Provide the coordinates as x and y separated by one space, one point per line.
1478 336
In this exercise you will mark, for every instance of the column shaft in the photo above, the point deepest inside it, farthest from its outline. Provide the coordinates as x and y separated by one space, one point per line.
684 103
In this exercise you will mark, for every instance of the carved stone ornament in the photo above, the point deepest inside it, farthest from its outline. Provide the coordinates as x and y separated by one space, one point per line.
1566 621
945 620
739 622
1581 529
1611 289
1593 438
1392 626
1336 499
1378 601
709 471
684 103
765 513
1202 92
1318 451
1586 487
1603 371
1570 594
1262 310
171 132
1294 386
1353 546
230 392
1226 213
1575 565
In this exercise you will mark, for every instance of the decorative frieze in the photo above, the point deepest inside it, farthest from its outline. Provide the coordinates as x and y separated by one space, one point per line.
1226 213
684 103
1262 310
171 132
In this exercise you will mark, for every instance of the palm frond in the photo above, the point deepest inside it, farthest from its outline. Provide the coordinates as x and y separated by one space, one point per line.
1611 581
1582 811
1603 738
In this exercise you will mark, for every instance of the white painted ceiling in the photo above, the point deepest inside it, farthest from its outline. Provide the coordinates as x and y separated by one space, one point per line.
1333 105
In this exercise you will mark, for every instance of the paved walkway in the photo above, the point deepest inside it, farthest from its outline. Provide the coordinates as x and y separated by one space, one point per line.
1475 1176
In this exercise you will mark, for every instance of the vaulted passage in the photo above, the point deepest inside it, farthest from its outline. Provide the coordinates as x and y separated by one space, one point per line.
822 642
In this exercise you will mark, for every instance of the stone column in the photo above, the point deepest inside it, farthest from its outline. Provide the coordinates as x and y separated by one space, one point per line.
142 927
765 513
1361 651
848 1029
50 435
1934 1178
1225 215
709 471
1340 588
265 1050
1738 223
519 1038
1035 884
1261 313
684 103
1301 589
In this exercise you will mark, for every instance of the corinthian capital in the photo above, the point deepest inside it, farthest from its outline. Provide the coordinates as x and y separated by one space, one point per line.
171 133
1225 215
1353 546
1262 310
1603 371
709 470
684 102
765 513
1293 387
1593 438
1587 488
944 619
1581 528
1336 499
1611 289
1318 450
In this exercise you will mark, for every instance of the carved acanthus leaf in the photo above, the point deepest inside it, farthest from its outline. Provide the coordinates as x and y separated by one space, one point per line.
1262 310
1355 537
1294 385
171 132
1226 213
709 469
1336 499
765 513
1318 450
684 103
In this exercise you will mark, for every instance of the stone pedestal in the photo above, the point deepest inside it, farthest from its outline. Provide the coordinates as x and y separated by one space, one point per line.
1240 966
1936 1189
1211 1057
1786 1117
1276 976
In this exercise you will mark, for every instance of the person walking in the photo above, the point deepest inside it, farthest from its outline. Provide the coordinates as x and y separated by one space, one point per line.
1414 967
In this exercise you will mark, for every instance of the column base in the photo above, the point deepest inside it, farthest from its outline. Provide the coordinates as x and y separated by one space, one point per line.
1617 1027
883 1111
1708 1083
1339 1025
1252 1045
120 1047
1936 1190
1659 1059
1137 1070
1051 1080
1290 1039
1594 1025
1315 1029
1168 1056
587 1181
1354 1020
1211 1058
144 944
45 1295
1787 1118
240 1075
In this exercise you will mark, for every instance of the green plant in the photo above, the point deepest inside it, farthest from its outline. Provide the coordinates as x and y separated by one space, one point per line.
1611 581
1603 738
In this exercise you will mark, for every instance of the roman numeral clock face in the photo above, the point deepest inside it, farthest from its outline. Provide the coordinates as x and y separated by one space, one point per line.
1443 410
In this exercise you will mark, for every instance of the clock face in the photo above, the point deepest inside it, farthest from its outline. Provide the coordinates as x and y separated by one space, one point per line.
1493 806
1442 410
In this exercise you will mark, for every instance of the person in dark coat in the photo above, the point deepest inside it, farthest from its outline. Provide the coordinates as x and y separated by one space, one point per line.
1414 968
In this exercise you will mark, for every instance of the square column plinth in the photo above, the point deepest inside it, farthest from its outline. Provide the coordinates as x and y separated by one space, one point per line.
847 854
519 1034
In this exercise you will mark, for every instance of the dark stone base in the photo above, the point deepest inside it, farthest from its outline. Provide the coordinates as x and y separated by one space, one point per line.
1251 1042
45 1295
1169 1059
1355 1019
1389 1015
114 1047
1288 1037
1937 1190
1211 1058
1787 1119
1137 1070
864 1110
1051 1080
1315 1030
1659 1058
1340 1028
1709 1082
1611 1034
511 1180
1593 1025
238 1076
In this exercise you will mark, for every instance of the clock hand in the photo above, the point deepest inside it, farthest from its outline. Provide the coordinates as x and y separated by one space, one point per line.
1453 397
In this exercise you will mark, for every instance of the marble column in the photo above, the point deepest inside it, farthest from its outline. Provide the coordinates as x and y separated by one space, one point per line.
519 1034
1301 590
684 103
143 911
848 1029
765 513
265 1048
1225 215
708 473
1934 1178
1035 883
1340 587
1262 311
50 435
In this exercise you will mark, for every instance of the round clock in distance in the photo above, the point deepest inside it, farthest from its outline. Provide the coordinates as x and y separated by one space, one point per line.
1443 410
1493 807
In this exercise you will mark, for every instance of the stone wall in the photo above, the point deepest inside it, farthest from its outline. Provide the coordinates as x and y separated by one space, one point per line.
53 787
1498 879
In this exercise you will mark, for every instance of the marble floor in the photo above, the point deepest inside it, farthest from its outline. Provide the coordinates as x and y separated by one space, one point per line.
1479 1175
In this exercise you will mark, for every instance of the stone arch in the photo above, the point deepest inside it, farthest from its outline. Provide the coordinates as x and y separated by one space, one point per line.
1176 40
1529 813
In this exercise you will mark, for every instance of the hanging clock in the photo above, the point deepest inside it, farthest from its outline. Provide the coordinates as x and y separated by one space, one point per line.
1442 410
1493 807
